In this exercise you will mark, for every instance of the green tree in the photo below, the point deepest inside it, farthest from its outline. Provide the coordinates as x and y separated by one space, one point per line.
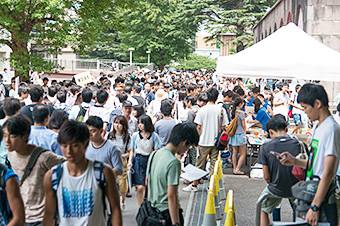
166 28
108 47
54 24
238 17
196 62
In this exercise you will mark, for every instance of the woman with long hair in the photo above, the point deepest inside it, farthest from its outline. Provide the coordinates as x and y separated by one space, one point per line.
120 136
239 140
261 115
143 144
181 111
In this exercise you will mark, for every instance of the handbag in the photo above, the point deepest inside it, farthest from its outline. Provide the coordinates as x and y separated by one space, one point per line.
147 214
231 128
298 172
222 137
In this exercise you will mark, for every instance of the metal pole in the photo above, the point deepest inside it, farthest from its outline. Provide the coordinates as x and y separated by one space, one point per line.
130 58
148 58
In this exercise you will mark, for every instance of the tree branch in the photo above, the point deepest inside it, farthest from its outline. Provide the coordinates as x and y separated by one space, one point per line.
6 42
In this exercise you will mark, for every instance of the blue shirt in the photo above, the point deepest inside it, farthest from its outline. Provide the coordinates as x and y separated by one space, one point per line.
262 117
3 219
250 104
41 136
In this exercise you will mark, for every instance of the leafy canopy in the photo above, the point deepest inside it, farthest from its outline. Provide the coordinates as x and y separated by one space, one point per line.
196 62
54 24
166 28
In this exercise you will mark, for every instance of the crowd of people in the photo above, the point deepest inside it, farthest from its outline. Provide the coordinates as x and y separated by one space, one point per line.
87 139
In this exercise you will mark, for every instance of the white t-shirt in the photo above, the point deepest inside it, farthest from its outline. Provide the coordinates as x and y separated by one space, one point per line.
326 141
12 93
209 118
282 109
294 99
99 111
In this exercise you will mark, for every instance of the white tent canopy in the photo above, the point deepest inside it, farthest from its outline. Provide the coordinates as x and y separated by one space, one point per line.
287 53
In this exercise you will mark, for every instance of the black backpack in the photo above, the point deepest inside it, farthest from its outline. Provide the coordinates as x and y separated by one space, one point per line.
81 113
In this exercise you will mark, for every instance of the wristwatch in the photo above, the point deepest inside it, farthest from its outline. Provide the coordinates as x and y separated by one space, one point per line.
314 208
176 224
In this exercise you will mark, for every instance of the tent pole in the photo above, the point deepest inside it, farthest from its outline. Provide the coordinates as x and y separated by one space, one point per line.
332 99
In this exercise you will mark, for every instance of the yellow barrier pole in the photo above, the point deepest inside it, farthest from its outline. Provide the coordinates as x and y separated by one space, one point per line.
229 210
209 218
217 197
220 180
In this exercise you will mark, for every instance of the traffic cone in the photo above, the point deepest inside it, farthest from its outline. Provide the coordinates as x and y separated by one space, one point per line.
209 218
220 181
217 198
230 218
228 205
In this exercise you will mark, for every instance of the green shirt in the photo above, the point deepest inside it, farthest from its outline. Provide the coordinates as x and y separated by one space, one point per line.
165 171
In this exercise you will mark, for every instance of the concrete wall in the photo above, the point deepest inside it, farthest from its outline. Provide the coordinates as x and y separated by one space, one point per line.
213 53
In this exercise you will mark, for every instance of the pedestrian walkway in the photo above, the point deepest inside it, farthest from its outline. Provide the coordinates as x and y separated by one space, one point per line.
246 192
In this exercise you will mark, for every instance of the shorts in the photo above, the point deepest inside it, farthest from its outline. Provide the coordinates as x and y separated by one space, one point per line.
269 204
297 119
122 179
238 139
140 163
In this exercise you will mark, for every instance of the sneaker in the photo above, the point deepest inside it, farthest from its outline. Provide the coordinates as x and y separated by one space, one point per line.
128 195
122 204
190 188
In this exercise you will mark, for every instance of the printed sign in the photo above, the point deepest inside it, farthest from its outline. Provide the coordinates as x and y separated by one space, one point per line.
83 78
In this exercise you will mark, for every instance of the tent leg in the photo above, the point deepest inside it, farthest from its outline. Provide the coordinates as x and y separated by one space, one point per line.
332 99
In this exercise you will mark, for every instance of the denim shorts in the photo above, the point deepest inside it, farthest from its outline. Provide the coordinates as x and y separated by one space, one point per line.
297 119
238 139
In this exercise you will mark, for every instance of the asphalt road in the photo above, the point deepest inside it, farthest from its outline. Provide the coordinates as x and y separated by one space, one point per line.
246 192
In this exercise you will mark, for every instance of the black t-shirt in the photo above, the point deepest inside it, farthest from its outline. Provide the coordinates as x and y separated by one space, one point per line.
281 177
28 109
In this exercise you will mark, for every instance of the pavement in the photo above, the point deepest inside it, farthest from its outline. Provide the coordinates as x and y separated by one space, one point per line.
246 192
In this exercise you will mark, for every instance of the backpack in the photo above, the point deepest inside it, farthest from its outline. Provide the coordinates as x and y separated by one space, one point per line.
228 107
6 211
81 113
98 172
113 115
231 128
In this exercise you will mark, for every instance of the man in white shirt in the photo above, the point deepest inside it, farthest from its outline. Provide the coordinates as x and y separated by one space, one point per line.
208 120
281 101
86 95
325 152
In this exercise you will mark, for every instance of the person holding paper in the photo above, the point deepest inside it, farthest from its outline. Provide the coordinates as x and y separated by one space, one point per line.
163 173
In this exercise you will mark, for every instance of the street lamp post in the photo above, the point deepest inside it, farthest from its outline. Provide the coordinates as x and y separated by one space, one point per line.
131 49
148 52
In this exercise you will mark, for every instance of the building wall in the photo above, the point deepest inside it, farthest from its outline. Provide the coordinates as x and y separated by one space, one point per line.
202 43
225 48
319 18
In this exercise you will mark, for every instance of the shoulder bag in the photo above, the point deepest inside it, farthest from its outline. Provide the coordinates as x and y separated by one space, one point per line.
147 214
222 137
231 128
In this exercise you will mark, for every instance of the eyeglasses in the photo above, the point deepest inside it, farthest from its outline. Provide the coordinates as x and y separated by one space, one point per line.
12 137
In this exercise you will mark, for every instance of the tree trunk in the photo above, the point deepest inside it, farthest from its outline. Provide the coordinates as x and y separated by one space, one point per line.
160 66
240 47
20 58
